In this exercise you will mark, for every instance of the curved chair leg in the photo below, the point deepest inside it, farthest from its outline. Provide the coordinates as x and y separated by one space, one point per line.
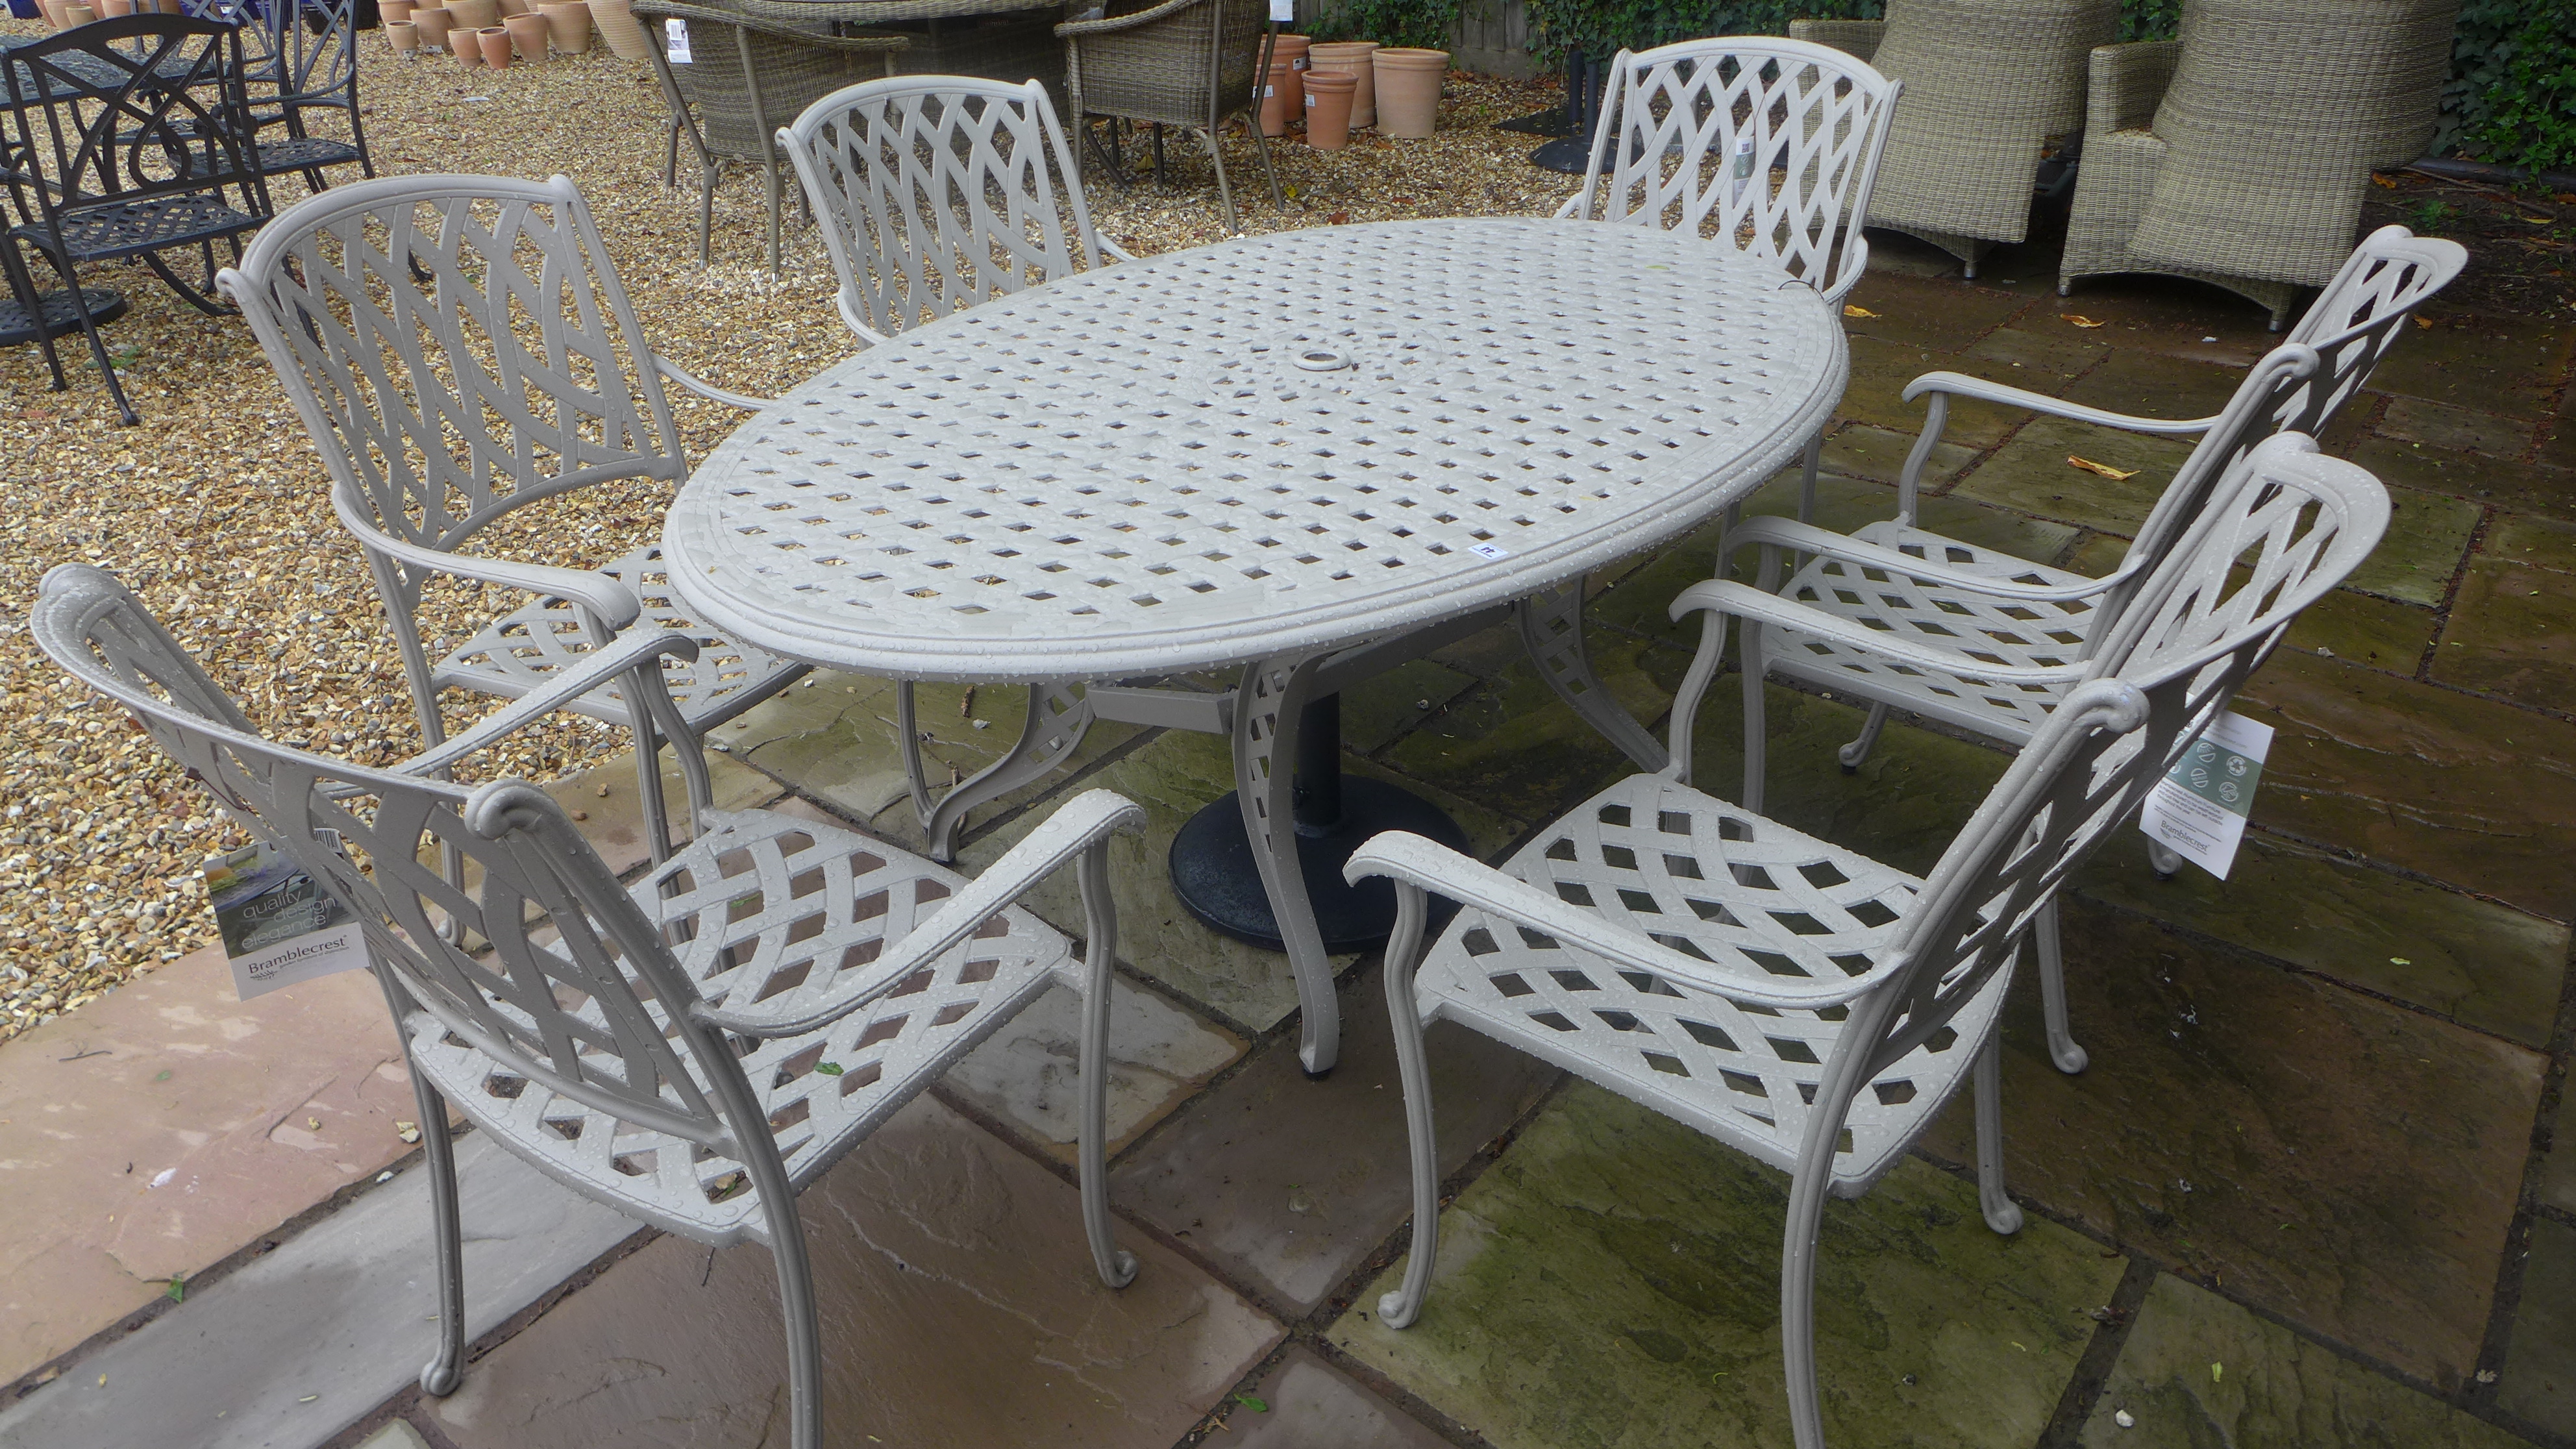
2062 1049
1858 750
2001 1212
1404 952
442 1374
1261 148
1224 192
1551 629
1274 693
804 1334
1798 1299
1116 1266
1756 725
2167 863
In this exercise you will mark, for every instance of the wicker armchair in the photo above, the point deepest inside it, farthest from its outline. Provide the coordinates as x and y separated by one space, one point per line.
2240 154
1986 82
1186 63
752 67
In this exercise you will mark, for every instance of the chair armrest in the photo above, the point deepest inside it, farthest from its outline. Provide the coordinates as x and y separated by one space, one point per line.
1858 38
1112 24
680 375
600 667
1961 385
1788 533
1081 823
1743 601
612 603
1441 871
2128 83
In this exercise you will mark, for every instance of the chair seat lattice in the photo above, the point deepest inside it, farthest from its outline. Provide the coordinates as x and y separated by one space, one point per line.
126 228
295 153
521 650
1979 628
774 905
1752 898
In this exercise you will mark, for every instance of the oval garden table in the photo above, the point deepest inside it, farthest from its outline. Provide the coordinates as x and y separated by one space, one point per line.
1314 454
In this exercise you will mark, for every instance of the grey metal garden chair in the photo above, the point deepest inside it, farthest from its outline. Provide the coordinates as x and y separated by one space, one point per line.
1984 641
939 192
1192 64
1802 1003
694 1049
460 347
750 66
1764 144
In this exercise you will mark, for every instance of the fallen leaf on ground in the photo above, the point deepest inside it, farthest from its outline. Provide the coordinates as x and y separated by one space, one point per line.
2378 180
2082 321
2106 470
2423 321
1854 309
1252 1403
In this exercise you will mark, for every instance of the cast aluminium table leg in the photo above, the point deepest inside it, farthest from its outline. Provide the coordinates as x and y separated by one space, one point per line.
1057 720
1551 630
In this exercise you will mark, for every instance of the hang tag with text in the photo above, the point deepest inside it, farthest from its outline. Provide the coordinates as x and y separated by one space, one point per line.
279 926
2198 810
1284 11
676 47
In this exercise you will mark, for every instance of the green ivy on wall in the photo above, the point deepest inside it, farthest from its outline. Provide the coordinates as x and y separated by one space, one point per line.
1422 23
2512 96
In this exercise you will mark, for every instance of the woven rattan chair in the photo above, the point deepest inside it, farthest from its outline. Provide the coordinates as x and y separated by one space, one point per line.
1186 63
2240 154
459 347
693 1050
753 66
1802 1003
1986 82
1985 642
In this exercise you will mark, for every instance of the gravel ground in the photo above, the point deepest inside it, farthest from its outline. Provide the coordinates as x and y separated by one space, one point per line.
214 509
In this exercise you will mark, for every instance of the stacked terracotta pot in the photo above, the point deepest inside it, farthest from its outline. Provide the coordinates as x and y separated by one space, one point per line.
493 33
1342 86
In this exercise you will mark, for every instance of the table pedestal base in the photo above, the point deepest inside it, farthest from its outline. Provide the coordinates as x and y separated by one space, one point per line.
1217 878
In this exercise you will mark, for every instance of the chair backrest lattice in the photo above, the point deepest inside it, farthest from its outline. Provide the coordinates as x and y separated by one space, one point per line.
2287 526
1767 145
593 1008
458 347
130 109
317 52
940 192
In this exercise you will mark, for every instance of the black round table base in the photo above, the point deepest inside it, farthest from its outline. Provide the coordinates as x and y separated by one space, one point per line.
1213 869
106 304
1571 155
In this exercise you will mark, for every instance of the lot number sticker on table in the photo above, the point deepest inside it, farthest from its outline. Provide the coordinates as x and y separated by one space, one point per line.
2198 810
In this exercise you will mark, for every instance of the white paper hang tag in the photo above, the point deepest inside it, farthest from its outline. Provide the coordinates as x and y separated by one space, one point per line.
1284 11
676 50
278 925
2198 810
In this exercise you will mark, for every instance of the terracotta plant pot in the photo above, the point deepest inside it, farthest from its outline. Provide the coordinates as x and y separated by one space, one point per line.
1281 99
390 11
615 21
472 14
1408 90
1355 58
403 36
527 35
1328 108
53 12
431 22
75 15
515 7
1292 49
494 42
114 9
567 25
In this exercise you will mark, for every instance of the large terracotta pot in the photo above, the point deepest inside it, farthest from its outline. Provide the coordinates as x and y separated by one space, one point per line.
1355 58
431 22
616 22
472 14
403 36
77 15
567 25
53 10
1328 108
113 9
1281 99
1408 90
509 8
527 34
393 11
494 42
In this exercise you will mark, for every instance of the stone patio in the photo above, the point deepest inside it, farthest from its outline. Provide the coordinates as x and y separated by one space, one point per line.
2308 1193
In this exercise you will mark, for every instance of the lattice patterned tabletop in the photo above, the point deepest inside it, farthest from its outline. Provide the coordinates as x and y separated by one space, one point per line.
1277 444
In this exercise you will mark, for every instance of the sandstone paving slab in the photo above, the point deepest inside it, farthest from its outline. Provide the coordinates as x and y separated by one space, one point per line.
294 1346
2346 1164
2155 385
1291 1183
1029 1073
1875 394
2464 428
2558 1169
2546 487
2558 446
2049 352
2165 314
2031 474
2539 1375
1861 450
1376 711
2346 624
1939 314
1172 776
1514 747
2540 542
396 1434
2469 791
958 1307
1309 1404
183 1125
2427 537
2483 964
2503 365
2199 1372
1614 1278
604 804
2512 632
